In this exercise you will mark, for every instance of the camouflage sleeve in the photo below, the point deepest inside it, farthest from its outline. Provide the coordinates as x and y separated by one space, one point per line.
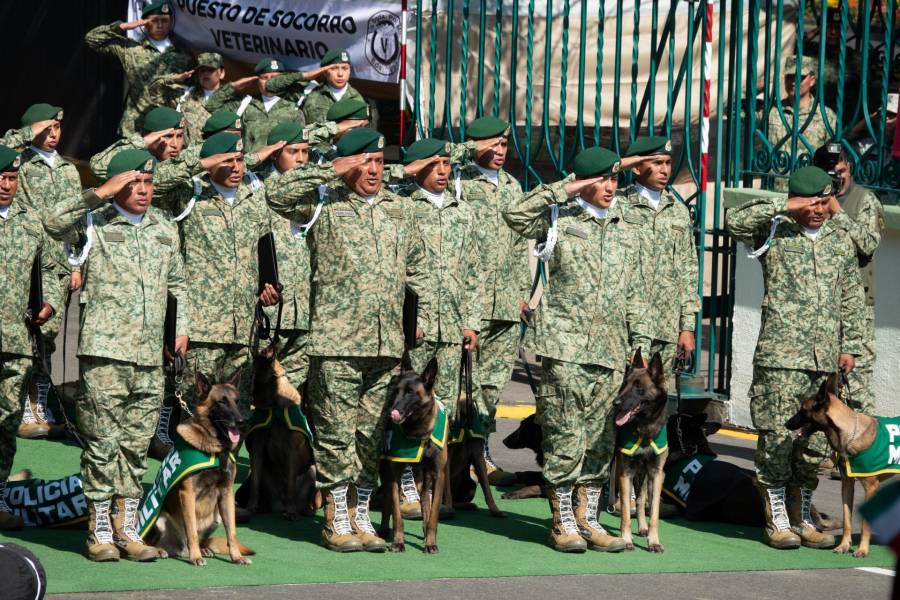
530 217
164 91
322 133
749 223
17 138
178 287
52 272
101 160
224 98
866 229
289 83
687 278
393 173
418 276
109 40
853 305
295 194
474 291
176 172
460 154
65 220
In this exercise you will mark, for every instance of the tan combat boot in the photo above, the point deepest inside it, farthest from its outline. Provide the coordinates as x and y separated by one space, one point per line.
799 505
360 522
100 547
587 504
42 412
564 534
778 532
337 535
496 475
30 428
8 520
410 503
125 534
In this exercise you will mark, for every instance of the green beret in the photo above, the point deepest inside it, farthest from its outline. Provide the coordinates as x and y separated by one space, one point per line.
268 65
221 143
335 56
347 108
41 112
220 121
133 159
211 60
809 181
808 65
359 140
161 7
487 127
426 148
594 162
9 159
162 118
289 133
648 146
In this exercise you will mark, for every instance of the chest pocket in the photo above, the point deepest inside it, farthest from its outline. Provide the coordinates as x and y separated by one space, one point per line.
113 236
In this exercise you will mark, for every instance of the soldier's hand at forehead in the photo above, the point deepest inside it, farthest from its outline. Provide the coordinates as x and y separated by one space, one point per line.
266 151
134 24
576 186
245 82
345 164
317 72
348 124
482 146
417 166
183 76
154 137
117 183
40 127
210 162
630 162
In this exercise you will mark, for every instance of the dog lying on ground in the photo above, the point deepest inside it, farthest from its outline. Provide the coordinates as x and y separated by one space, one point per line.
194 507
417 434
640 408
866 449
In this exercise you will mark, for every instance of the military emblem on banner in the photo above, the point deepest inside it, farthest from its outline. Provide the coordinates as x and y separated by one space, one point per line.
383 42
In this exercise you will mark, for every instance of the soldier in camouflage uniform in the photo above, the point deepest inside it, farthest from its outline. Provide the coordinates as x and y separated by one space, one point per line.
258 114
344 115
190 100
133 263
162 135
586 326
22 237
365 249
142 62
812 322
668 254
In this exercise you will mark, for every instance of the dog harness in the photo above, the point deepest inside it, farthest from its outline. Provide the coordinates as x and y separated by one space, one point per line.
181 461
883 456
400 448
48 503
680 477
629 441
290 416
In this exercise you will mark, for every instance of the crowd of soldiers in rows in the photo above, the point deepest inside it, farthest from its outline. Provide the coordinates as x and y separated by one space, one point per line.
184 218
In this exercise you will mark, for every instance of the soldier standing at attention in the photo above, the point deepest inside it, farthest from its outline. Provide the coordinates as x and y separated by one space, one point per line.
142 62
587 325
133 264
668 254
190 100
812 319
22 237
365 249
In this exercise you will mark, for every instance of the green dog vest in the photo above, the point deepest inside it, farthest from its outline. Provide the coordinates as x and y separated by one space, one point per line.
680 477
883 456
628 441
399 448
291 417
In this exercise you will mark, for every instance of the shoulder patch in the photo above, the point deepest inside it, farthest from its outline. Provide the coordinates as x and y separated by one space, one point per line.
164 241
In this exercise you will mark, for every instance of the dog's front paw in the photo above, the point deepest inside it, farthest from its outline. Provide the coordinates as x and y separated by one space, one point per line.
160 553
861 553
241 560
498 513
656 548
841 549
207 552
430 549
398 547
629 546
198 562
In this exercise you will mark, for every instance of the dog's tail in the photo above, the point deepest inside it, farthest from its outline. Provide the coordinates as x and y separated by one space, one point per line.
219 545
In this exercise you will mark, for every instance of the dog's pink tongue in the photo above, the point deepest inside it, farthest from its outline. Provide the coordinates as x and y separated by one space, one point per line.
396 417
234 434
625 417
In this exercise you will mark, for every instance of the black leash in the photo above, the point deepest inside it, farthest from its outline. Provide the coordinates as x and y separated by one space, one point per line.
842 390
465 385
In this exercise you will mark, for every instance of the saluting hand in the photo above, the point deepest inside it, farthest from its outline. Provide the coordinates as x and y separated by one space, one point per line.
245 82
40 127
417 166
630 162
317 72
134 24
179 77
348 124
210 162
576 186
266 151
345 164
152 139
117 183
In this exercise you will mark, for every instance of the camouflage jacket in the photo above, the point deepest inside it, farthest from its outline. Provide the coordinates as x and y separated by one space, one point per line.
813 133
188 100
130 269
141 63
101 160
316 103
293 262
863 218
255 120
813 304
669 263
22 236
362 258
506 275
593 309
219 243
450 234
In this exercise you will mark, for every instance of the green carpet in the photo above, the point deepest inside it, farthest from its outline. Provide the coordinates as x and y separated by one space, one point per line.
474 545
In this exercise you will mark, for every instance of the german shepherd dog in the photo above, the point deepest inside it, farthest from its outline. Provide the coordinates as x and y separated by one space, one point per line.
642 400
282 474
849 433
193 509
415 410
529 436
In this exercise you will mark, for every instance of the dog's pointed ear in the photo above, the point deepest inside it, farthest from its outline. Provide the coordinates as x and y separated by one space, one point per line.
637 361
203 385
833 383
405 362
235 378
430 373
656 367
824 389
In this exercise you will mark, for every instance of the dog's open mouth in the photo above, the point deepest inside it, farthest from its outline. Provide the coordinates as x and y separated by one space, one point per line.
627 415
234 435
396 417
803 432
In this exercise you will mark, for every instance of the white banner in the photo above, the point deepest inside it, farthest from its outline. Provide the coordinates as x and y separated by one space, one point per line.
297 33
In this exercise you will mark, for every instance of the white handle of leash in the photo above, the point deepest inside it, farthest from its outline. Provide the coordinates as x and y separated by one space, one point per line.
766 244
545 249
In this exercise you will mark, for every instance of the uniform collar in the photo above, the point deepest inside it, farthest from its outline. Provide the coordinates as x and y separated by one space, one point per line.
338 93
49 158
488 175
439 201
594 211
131 217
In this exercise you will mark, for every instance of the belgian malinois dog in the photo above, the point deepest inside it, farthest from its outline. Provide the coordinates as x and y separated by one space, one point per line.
528 435
849 432
642 401
415 409
194 508
282 475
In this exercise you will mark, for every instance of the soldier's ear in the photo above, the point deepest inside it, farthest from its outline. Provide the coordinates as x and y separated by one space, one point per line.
203 386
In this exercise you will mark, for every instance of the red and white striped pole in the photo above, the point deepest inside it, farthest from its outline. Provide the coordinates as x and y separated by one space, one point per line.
404 14
707 76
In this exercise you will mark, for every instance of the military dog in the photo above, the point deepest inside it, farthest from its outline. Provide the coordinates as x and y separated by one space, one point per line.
194 507
415 410
850 433
528 435
641 402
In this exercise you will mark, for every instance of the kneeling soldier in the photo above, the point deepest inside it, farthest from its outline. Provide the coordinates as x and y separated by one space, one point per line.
133 263
588 321
812 320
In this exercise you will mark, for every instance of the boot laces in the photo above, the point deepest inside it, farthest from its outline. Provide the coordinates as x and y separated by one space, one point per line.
488 459
28 414
779 510
4 507
43 411
162 427
362 510
806 507
408 485
341 521
102 527
129 526
566 514
593 505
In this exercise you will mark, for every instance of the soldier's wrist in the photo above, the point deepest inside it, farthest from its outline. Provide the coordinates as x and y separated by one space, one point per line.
91 199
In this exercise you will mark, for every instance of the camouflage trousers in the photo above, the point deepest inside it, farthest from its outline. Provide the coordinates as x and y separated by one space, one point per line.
575 412
494 362
775 396
14 374
292 356
117 418
859 380
446 385
218 362
348 402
